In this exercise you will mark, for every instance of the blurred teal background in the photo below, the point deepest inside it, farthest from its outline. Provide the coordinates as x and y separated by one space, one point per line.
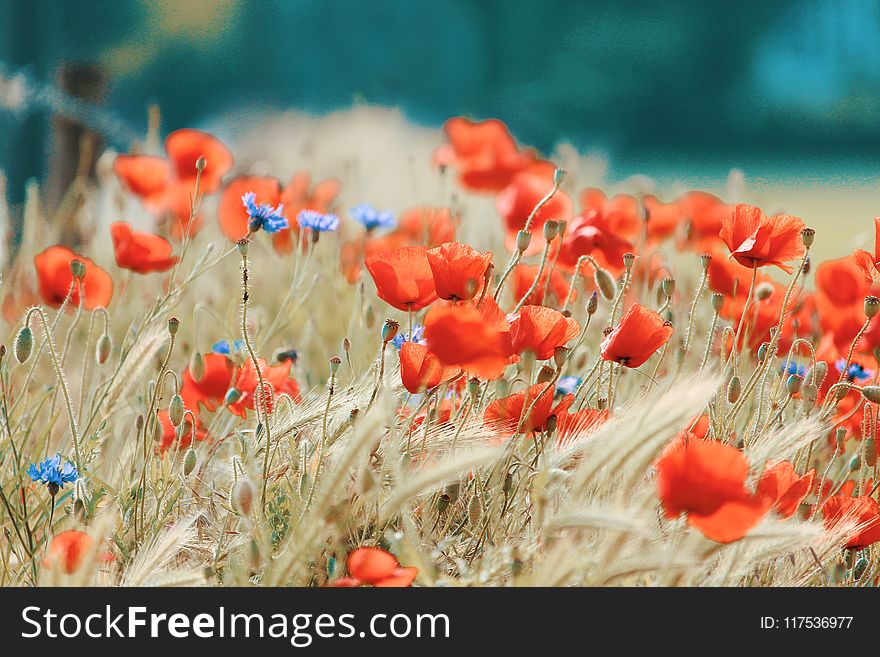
684 88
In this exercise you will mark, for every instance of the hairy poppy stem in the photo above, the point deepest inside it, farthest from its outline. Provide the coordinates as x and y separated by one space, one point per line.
534 284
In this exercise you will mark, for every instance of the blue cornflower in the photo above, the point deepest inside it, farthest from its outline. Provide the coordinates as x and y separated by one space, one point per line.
225 348
263 215
371 219
53 474
566 385
418 336
799 370
317 221
855 372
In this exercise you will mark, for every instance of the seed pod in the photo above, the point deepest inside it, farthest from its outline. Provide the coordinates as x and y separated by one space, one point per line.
243 246
173 325
24 344
706 260
734 389
872 305
559 176
605 283
764 291
335 362
474 510
551 230
560 355
189 461
807 236
871 393
175 410
668 286
78 269
840 436
593 303
545 374
102 349
628 260
243 496
793 384
523 239
389 330
197 366
474 387
717 302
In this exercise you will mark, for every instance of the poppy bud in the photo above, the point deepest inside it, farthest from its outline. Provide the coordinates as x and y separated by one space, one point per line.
335 362
346 344
175 410
474 387
628 260
593 303
389 330
102 349
605 283
189 461
201 163
559 176
793 384
706 260
734 389
717 302
24 344
369 317
551 229
860 568
545 374
764 291
452 491
807 236
551 424
232 396
762 352
442 503
173 325
872 305
855 463
78 269
242 246
840 436
157 431
474 510
139 422
560 355
197 366
870 451
872 394
523 239
668 286
242 496
817 373
809 394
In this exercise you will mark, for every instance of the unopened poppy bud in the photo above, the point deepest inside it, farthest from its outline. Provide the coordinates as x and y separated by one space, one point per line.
764 291
559 176
507 485
809 394
389 330
24 344
442 503
243 496
840 436
870 454
197 366
860 568
201 163
593 303
158 431
102 349
817 373
793 384
551 424
872 394
474 387
717 302
78 269
560 355
175 410
668 286
453 490
232 396
628 260
474 510
139 422
734 389
189 461
855 463
242 245
807 236
706 260
605 283
551 229
173 325
335 362
369 317
523 239
762 352
545 374
872 305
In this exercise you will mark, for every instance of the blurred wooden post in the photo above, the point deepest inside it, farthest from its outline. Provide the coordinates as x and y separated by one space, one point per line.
74 148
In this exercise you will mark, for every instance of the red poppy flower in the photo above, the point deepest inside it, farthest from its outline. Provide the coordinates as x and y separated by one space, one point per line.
703 215
427 225
375 567
508 414
166 186
756 240
403 277
785 487
541 330
485 153
516 202
463 336
299 196
459 270
640 333
524 276
840 296
54 279
662 218
620 214
591 234
573 426
69 550
420 370
140 251
862 512
210 390
277 377
706 480
867 263
232 215
169 432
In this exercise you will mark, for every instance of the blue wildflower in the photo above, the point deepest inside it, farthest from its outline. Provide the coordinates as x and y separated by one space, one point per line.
855 372
224 347
263 215
317 221
53 474
794 368
371 219
566 385
418 336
